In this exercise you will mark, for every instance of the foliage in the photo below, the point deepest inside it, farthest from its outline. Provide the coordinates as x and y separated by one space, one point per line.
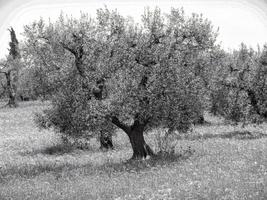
145 74
10 67
239 93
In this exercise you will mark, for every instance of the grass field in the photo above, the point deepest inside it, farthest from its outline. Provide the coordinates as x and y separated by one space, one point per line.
224 163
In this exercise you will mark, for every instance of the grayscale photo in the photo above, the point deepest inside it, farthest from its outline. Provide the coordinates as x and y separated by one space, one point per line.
133 100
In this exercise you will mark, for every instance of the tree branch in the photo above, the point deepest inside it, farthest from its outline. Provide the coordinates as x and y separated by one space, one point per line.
4 65
119 124
228 85
78 57
68 48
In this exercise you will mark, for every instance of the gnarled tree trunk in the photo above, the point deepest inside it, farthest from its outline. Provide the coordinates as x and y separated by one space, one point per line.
106 140
11 91
136 135
139 146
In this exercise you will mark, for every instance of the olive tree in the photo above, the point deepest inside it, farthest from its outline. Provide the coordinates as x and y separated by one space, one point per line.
114 73
239 92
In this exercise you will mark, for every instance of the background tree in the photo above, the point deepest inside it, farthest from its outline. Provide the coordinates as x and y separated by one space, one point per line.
10 68
239 93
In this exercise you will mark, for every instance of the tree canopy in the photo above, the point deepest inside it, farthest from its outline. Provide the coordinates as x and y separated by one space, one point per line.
111 72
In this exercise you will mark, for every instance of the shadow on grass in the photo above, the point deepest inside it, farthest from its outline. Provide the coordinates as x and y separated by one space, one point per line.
59 149
56 150
58 170
31 171
160 160
240 135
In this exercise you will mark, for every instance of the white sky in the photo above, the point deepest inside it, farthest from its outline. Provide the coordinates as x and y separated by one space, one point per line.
238 20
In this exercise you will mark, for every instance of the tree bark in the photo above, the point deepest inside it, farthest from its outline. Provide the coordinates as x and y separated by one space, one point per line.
139 146
106 141
136 136
11 91
254 101
200 120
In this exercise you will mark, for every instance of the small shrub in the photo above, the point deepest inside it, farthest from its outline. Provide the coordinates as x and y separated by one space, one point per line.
166 141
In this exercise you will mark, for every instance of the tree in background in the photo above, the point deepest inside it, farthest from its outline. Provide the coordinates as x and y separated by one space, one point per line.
10 68
240 90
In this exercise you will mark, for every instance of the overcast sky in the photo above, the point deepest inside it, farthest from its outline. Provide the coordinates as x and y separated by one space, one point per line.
238 20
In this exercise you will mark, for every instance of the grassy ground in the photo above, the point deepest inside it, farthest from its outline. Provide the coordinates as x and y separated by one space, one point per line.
224 162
